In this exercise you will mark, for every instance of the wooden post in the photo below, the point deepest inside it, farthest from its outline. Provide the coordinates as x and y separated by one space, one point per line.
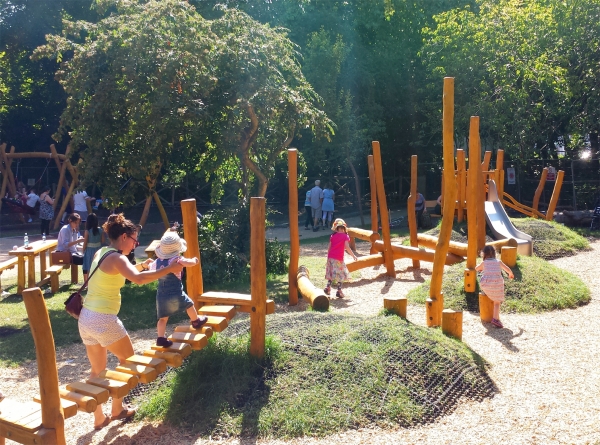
161 209
397 305
452 323
555 194
146 211
316 297
410 208
63 206
373 182
61 179
435 304
486 308
258 277
539 190
74 273
41 330
481 197
460 182
194 284
294 235
485 164
383 211
473 203
508 255
498 174
3 171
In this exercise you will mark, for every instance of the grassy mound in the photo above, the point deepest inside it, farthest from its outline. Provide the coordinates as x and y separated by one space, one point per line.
538 286
550 239
322 374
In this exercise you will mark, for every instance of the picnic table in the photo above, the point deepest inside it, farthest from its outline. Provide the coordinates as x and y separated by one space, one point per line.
36 248
151 248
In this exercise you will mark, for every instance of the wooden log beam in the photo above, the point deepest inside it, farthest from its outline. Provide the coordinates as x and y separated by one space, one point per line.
373 184
539 189
473 203
399 252
410 207
365 261
383 210
486 308
555 194
258 276
315 297
452 323
195 286
363 234
397 305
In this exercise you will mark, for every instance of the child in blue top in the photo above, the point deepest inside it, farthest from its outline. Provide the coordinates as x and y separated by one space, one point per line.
170 296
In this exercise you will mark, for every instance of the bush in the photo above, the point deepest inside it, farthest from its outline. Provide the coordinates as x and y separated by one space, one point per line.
224 240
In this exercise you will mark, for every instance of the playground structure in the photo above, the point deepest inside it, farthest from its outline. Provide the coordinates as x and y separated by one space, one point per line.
43 422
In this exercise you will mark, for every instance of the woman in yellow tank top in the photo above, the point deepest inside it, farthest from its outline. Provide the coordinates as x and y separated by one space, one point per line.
99 327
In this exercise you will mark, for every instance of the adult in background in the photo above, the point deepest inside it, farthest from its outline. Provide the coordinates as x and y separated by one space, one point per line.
46 210
32 200
99 326
327 206
80 199
308 210
419 208
68 236
315 204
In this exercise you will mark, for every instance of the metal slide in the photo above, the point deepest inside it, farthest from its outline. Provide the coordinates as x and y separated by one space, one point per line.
500 224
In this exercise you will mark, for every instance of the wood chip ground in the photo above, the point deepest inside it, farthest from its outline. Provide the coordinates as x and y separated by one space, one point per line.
545 367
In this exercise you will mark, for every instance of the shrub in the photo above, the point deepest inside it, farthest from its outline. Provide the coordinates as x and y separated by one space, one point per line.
277 257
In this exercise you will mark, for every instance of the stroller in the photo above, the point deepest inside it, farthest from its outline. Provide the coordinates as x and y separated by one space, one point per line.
595 225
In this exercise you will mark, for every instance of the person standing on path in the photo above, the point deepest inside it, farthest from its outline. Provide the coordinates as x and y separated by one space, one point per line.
308 210
46 210
32 200
419 208
327 206
315 203
492 282
80 200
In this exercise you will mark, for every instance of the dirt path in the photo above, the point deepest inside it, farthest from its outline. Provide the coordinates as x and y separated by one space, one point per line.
545 367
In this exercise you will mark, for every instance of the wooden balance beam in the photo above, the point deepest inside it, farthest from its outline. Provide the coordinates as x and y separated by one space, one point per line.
316 297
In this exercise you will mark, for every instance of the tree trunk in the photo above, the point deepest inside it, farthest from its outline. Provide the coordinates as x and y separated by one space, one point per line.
161 209
358 195
146 211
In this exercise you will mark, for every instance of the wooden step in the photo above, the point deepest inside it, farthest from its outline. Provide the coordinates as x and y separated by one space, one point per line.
26 416
183 349
206 330
100 394
218 310
217 324
146 374
69 408
116 389
196 341
131 380
85 404
226 298
156 363
173 359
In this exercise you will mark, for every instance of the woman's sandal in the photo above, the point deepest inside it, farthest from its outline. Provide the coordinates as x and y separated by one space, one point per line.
107 420
127 413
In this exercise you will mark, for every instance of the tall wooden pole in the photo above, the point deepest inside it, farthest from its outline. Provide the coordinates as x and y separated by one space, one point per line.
373 183
499 174
52 413
539 190
435 302
470 277
555 194
481 193
195 286
258 277
410 208
383 211
294 235
461 176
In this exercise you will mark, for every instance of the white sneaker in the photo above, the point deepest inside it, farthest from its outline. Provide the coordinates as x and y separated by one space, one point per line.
30 220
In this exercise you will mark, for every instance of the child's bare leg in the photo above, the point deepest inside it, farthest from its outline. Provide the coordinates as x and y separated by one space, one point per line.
161 326
496 313
191 311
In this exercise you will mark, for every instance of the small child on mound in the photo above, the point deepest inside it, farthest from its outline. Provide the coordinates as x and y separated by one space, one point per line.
170 296
492 282
336 269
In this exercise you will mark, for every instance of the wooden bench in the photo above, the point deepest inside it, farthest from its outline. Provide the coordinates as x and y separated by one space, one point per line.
54 272
430 207
8 264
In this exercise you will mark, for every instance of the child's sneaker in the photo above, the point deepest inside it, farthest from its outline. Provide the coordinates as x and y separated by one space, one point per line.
497 323
339 294
197 323
163 342
327 290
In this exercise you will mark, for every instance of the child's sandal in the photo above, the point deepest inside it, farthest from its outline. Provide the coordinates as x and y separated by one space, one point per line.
327 290
339 294
199 322
163 342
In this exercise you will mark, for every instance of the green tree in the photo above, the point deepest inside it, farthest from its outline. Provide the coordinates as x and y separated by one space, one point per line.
155 86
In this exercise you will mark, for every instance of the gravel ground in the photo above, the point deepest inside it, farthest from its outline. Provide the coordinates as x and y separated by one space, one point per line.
545 367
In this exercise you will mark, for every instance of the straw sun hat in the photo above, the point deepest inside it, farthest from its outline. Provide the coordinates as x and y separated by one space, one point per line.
170 246
339 222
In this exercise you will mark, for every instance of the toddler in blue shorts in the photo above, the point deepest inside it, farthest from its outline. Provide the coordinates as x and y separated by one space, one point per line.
170 296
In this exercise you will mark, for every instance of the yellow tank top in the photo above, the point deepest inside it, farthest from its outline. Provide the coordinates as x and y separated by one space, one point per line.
104 290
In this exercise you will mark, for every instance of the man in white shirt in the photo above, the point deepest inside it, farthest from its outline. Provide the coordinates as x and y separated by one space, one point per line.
32 200
80 204
315 203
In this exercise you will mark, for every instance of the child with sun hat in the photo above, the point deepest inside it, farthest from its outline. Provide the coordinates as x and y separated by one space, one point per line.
170 296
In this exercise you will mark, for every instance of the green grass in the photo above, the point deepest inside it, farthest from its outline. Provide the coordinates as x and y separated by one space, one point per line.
340 373
538 286
551 239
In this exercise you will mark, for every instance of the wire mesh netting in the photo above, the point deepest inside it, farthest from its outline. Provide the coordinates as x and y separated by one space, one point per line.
400 362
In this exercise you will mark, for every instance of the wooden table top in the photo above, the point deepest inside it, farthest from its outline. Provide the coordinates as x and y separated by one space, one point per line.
36 247
152 247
